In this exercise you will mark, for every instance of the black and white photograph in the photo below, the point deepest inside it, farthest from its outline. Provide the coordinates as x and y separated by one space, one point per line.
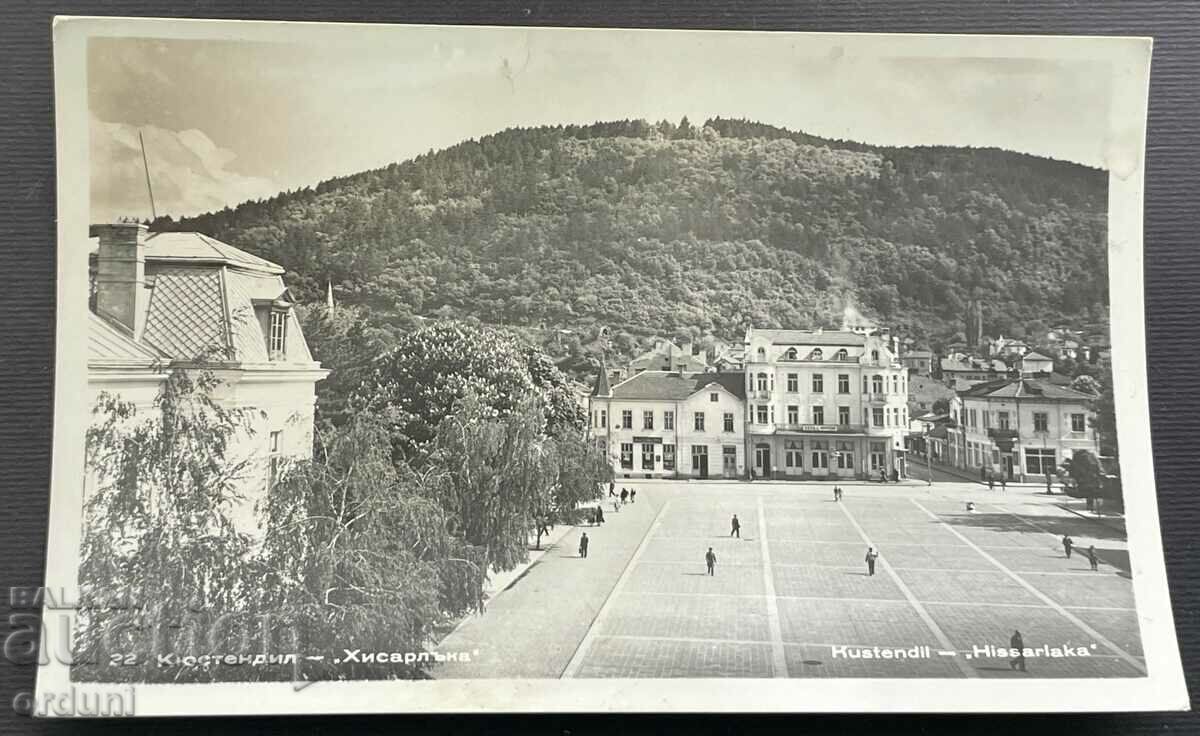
434 368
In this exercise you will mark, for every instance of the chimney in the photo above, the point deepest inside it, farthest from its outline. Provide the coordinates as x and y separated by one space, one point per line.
121 273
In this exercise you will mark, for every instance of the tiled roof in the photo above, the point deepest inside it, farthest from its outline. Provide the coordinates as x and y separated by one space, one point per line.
186 315
808 337
109 344
668 386
197 247
1034 355
1025 388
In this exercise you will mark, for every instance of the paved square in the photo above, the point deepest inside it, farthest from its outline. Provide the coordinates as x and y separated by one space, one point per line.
791 596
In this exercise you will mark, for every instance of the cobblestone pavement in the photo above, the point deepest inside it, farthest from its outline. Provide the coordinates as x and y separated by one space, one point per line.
791 596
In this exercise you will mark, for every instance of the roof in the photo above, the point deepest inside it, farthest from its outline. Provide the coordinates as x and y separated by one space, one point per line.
670 386
193 247
974 365
918 354
1025 388
110 345
809 337
1034 355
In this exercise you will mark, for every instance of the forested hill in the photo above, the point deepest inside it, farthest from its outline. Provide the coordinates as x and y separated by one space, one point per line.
665 229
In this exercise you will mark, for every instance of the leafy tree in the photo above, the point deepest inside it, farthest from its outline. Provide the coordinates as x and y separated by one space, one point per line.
1086 384
345 342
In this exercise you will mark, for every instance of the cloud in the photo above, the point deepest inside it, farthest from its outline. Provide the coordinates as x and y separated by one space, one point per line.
188 171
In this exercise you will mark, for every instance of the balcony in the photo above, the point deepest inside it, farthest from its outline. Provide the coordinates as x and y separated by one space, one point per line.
876 398
760 394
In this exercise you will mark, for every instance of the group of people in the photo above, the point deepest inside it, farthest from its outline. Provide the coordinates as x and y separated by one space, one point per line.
595 515
1069 545
991 481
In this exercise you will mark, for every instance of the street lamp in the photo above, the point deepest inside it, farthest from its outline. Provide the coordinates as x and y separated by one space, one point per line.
928 458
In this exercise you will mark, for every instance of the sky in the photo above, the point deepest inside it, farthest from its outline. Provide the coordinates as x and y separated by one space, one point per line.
227 121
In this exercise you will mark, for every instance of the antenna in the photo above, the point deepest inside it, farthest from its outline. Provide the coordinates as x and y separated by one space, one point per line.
146 167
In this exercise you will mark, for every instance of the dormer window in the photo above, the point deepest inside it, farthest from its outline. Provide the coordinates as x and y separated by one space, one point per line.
277 340
874 355
818 355
762 354
791 354
841 355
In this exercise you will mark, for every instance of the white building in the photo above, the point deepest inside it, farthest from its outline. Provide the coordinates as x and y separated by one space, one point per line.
165 302
825 404
1021 428
660 424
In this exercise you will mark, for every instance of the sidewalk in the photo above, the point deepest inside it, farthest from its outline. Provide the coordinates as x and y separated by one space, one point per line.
1112 521
534 624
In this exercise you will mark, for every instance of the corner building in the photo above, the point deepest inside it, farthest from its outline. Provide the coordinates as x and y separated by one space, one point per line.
825 404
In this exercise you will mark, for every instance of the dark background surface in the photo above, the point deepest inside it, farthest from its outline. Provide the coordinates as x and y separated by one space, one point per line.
1172 263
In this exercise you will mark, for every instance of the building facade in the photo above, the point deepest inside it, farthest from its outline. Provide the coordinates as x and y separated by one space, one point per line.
825 404
166 302
661 424
1020 428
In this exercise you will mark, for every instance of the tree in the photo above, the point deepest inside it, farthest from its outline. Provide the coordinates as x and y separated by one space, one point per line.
941 406
1086 475
158 525
1086 384
345 342
358 551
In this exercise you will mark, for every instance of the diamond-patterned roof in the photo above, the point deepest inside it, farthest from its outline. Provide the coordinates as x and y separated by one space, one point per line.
186 314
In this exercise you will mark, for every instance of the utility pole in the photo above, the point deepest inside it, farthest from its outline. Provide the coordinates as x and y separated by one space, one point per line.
928 459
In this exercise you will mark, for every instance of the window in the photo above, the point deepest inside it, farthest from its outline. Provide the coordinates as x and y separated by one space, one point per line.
817 354
668 420
818 415
761 412
627 455
1002 419
728 421
875 355
841 355
790 354
845 456
793 415
1077 423
699 458
1041 421
729 459
876 384
844 416
648 420
864 384
877 416
793 456
895 384
668 457
843 383
818 383
793 382
275 459
647 456
1039 461
820 454
986 419
903 416
627 419
698 421
714 397
277 348
762 381
762 354
878 456
972 418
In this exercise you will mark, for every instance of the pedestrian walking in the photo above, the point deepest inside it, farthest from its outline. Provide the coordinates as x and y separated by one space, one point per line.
583 545
616 505
872 555
1093 560
991 483
836 493
611 489
599 515
1017 644
1067 544
624 496
710 559
1003 484
735 527
882 475
632 495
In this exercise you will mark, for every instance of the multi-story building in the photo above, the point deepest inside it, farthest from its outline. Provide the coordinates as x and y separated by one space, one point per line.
918 361
165 302
664 424
1020 428
824 404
